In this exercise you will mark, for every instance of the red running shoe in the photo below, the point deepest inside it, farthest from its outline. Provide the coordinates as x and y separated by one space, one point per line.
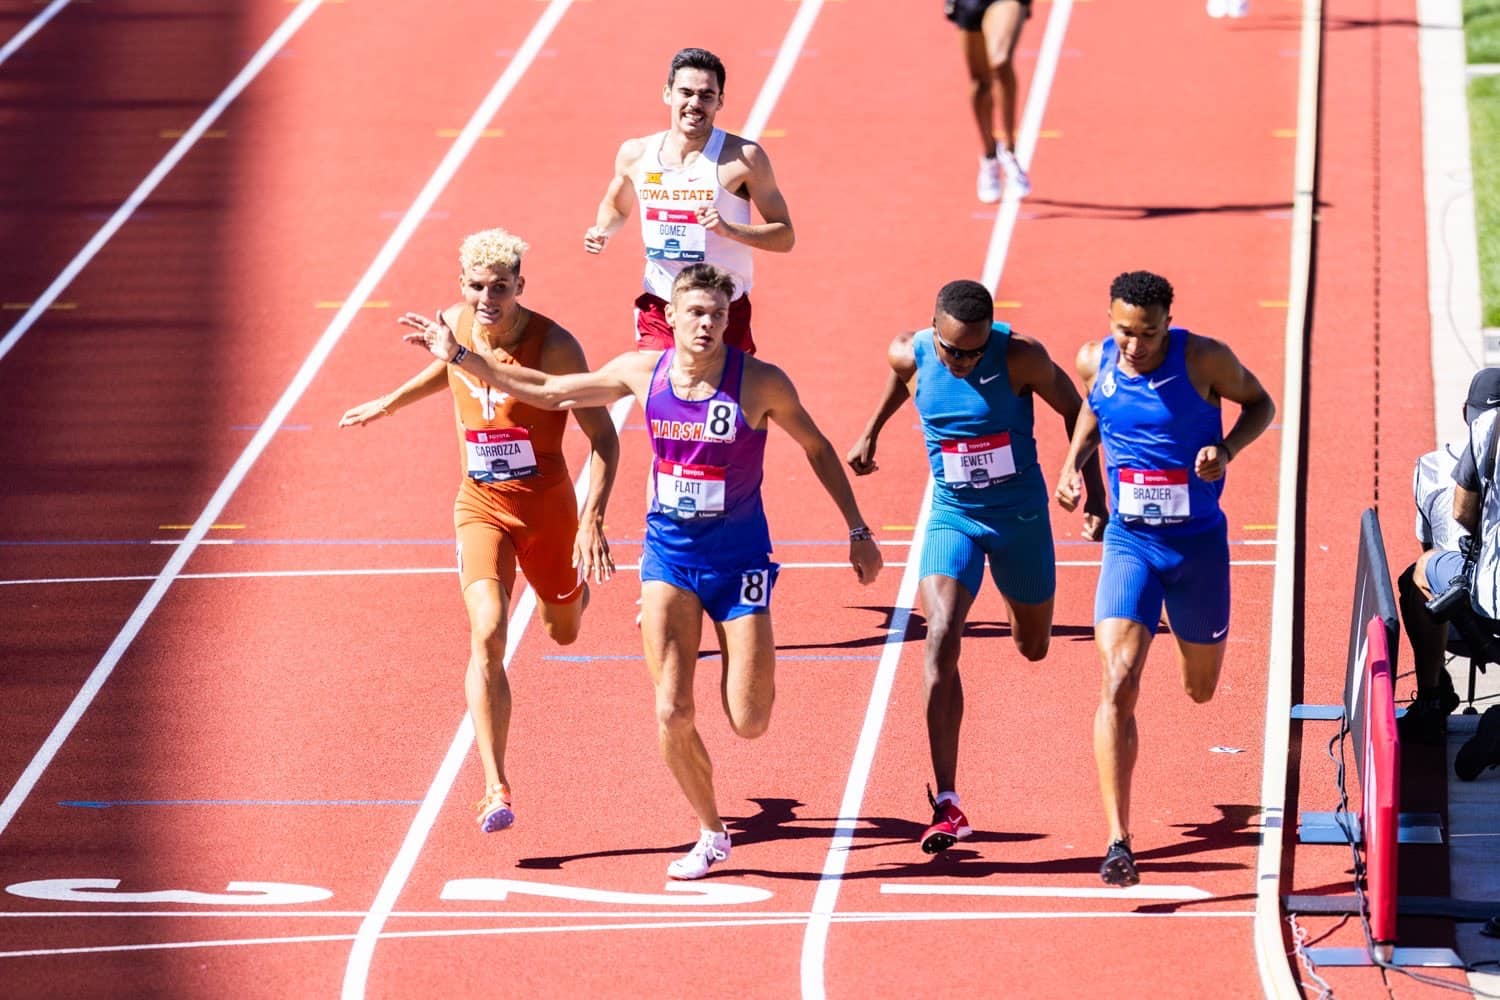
949 825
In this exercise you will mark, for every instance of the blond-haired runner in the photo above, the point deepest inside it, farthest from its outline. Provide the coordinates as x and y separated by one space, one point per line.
696 184
515 503
708 547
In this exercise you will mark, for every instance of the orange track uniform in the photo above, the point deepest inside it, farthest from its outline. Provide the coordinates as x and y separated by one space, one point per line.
516 484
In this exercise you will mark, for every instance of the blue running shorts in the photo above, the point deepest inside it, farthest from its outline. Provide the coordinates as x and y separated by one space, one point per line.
1019 547
1190 573
725 594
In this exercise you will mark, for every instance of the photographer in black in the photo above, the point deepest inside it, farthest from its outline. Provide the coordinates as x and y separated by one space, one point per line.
1447 489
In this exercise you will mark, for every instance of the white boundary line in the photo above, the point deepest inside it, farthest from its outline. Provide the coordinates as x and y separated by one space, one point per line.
722 921
179 149
815 938
36 24
211 513
356 972
1270 948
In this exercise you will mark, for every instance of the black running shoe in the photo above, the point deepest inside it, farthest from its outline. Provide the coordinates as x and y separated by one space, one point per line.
1425 722
1482 749
1119 865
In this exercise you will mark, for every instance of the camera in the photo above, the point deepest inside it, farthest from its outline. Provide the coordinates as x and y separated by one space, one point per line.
1453 606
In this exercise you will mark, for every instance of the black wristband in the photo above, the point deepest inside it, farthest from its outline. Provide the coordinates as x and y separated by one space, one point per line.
1224 447
458 359
861 534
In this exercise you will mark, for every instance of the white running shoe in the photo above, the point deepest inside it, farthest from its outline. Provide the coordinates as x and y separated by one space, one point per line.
988 185
1236 8
1014 176
712 847
1217 8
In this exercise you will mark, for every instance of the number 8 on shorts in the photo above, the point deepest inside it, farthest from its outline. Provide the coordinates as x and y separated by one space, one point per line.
755 588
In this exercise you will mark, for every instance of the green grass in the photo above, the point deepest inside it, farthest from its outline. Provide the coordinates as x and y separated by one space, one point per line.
1484 133
1482 30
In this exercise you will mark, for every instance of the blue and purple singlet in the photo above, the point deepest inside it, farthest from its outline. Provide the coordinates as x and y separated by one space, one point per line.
707 465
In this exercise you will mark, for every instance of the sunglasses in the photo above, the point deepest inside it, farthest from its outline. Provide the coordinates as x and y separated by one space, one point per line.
958 353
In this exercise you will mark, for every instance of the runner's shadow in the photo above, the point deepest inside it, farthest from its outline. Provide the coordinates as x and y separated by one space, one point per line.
916 629
1056 208
776 821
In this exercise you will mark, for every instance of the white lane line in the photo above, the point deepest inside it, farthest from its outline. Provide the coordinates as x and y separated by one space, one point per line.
1039 87
815 938
356 972
1276 978
212 513
630 925
36 24
263 55
277 574
781 68
1045 892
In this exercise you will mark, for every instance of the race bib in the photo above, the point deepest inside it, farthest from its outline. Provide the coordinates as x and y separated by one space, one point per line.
1154 496
978 461
755 588
500 455
689 491
673 234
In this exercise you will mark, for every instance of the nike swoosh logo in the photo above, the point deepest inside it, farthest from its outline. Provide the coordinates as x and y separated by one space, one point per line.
1220 634
987 381
1157 385
1491 400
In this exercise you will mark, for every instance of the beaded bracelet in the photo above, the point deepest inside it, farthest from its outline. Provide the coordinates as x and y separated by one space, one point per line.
861 534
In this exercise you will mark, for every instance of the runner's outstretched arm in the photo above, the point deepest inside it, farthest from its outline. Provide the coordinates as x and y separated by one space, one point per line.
897 390
1030 367
432 379
787 411
563 354
617 379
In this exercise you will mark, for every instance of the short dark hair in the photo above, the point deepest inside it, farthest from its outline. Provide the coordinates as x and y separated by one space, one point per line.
703 277
696 59
966 301
1141 288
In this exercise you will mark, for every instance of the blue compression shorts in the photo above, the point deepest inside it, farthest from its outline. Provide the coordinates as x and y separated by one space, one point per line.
724 593
1019 547
1190 573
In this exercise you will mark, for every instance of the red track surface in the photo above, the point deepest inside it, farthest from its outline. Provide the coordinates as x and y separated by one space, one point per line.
1160 153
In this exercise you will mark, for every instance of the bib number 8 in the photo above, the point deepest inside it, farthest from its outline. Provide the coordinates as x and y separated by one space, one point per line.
755 588
720 424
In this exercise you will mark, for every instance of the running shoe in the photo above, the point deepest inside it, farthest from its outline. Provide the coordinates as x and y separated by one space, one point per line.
1482 749
1015 177
495 813
712 847
988 184
1425 721
949 826
1236 8
1218 8
1119 865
